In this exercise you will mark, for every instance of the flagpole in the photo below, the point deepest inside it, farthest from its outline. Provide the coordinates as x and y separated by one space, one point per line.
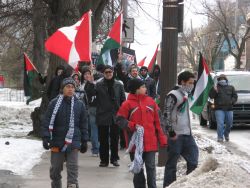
120 49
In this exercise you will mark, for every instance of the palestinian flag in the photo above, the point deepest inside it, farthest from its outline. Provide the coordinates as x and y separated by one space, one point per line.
113 42
73 43
29 74
203 85
153 60
142 62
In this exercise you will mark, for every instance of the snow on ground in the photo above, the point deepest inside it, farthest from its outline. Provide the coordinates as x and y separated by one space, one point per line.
19 153
218 168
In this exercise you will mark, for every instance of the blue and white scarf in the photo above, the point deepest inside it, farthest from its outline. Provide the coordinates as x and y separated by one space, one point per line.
70 133
137 141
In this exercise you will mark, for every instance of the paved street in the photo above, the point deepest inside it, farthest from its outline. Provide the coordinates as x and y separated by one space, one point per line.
90 174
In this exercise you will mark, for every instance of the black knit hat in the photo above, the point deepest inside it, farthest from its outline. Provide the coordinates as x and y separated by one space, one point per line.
67 81
222 77
108 67
144 68
134 84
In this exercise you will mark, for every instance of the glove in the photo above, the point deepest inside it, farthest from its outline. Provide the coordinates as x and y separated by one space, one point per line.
171 133
84 147
46 143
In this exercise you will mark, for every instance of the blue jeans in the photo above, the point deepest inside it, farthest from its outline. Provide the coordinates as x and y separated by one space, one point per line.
221 118
186 147
94 130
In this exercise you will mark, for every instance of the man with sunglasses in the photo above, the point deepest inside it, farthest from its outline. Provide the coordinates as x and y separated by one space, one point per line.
109 96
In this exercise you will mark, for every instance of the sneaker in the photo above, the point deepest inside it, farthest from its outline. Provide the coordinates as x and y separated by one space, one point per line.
227 139
115 163
95 155
220 140
103 164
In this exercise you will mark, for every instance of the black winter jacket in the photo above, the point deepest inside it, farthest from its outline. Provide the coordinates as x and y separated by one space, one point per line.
61 124
107 107
225 98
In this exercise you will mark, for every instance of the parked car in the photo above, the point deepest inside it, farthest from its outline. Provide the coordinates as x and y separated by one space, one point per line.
241 110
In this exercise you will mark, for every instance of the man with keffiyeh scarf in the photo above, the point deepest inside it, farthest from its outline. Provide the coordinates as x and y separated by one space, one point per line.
65 133
176 120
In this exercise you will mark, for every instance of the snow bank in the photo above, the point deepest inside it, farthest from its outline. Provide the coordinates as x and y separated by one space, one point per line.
218 168
19 153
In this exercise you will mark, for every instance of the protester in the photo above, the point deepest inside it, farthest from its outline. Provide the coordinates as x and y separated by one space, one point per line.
54 85
109 96
225 97
76 77
156 76
64 133
149 82
80 93
88 85
141 110
177 123
132 73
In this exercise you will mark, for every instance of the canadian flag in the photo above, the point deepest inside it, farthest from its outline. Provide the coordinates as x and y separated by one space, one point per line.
73 43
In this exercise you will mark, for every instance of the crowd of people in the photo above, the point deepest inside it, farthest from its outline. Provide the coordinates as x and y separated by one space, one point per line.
115 109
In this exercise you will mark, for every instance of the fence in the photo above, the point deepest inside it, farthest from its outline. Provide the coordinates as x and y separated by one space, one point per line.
12 94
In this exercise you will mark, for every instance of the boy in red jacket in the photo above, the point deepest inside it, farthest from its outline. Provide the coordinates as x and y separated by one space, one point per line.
141 110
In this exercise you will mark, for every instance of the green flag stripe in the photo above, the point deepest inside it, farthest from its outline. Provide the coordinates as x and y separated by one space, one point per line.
108 45
200 102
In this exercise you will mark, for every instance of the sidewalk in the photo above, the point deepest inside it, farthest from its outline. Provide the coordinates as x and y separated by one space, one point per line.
90 174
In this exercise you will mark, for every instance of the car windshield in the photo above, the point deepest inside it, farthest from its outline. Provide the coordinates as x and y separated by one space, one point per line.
240 82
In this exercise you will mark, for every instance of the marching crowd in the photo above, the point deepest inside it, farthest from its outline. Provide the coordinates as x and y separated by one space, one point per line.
117 109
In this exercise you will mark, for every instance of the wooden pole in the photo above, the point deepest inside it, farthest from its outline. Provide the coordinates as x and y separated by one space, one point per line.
168 57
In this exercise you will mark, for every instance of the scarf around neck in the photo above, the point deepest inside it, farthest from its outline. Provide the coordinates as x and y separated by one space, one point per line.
70 133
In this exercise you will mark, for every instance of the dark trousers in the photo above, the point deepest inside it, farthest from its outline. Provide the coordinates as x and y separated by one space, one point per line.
122 139
139 179
57 160
108 138
184 146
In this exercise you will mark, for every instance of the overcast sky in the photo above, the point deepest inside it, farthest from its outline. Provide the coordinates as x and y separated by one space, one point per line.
148 25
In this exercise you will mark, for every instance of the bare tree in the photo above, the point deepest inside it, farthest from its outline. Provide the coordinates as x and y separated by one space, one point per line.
226 15
205 40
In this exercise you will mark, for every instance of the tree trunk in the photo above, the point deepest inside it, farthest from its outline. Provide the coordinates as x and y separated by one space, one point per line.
62 13
238 62
97 7
38 23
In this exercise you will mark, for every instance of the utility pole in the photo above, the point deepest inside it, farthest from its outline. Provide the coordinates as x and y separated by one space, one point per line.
124 4
172 23
125 8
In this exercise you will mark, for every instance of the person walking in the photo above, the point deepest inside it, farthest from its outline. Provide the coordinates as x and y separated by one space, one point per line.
141 110
109 96
149 82
176 120
65 133
88 85
225 97
54 85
